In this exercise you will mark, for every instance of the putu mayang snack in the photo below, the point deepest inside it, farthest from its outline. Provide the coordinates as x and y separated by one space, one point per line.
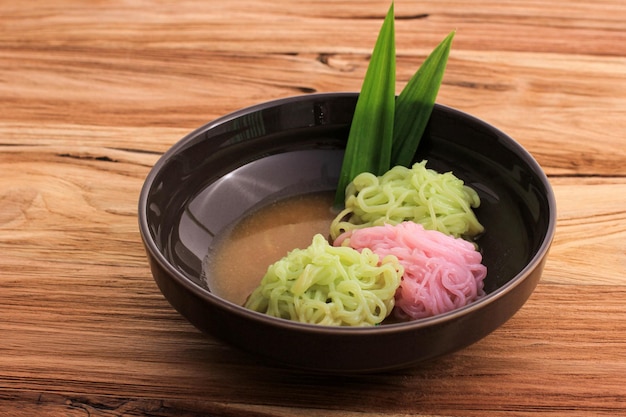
401 244
329 285
418 194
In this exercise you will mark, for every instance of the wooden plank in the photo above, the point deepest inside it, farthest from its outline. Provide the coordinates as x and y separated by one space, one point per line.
93 93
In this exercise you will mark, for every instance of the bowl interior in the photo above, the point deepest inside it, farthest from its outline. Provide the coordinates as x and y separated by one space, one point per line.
231 166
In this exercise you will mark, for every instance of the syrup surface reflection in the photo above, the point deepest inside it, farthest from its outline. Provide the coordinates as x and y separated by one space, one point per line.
219 206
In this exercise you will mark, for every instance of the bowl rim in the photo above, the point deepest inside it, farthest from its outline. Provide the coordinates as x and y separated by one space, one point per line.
248 314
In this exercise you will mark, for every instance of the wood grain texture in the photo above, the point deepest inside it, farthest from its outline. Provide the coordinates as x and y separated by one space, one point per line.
92 93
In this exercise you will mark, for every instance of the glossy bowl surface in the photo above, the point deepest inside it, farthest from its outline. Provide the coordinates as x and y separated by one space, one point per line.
219 172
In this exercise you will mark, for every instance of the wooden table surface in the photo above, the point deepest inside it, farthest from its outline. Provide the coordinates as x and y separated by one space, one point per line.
92 93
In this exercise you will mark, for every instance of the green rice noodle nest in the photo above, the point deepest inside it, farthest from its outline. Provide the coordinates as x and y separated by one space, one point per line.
327 285
436 201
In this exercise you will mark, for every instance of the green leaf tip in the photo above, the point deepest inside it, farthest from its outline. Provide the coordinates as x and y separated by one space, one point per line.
416 102
369 142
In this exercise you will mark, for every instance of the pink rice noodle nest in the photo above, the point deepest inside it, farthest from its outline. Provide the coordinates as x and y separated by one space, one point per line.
441 272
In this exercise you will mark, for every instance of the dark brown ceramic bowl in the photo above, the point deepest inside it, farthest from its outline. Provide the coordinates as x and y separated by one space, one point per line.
214 175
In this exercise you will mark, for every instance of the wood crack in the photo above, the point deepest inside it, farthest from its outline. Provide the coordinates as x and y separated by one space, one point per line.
102 158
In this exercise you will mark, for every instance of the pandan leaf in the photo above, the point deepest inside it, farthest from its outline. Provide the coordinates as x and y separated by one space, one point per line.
416 102
370 139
